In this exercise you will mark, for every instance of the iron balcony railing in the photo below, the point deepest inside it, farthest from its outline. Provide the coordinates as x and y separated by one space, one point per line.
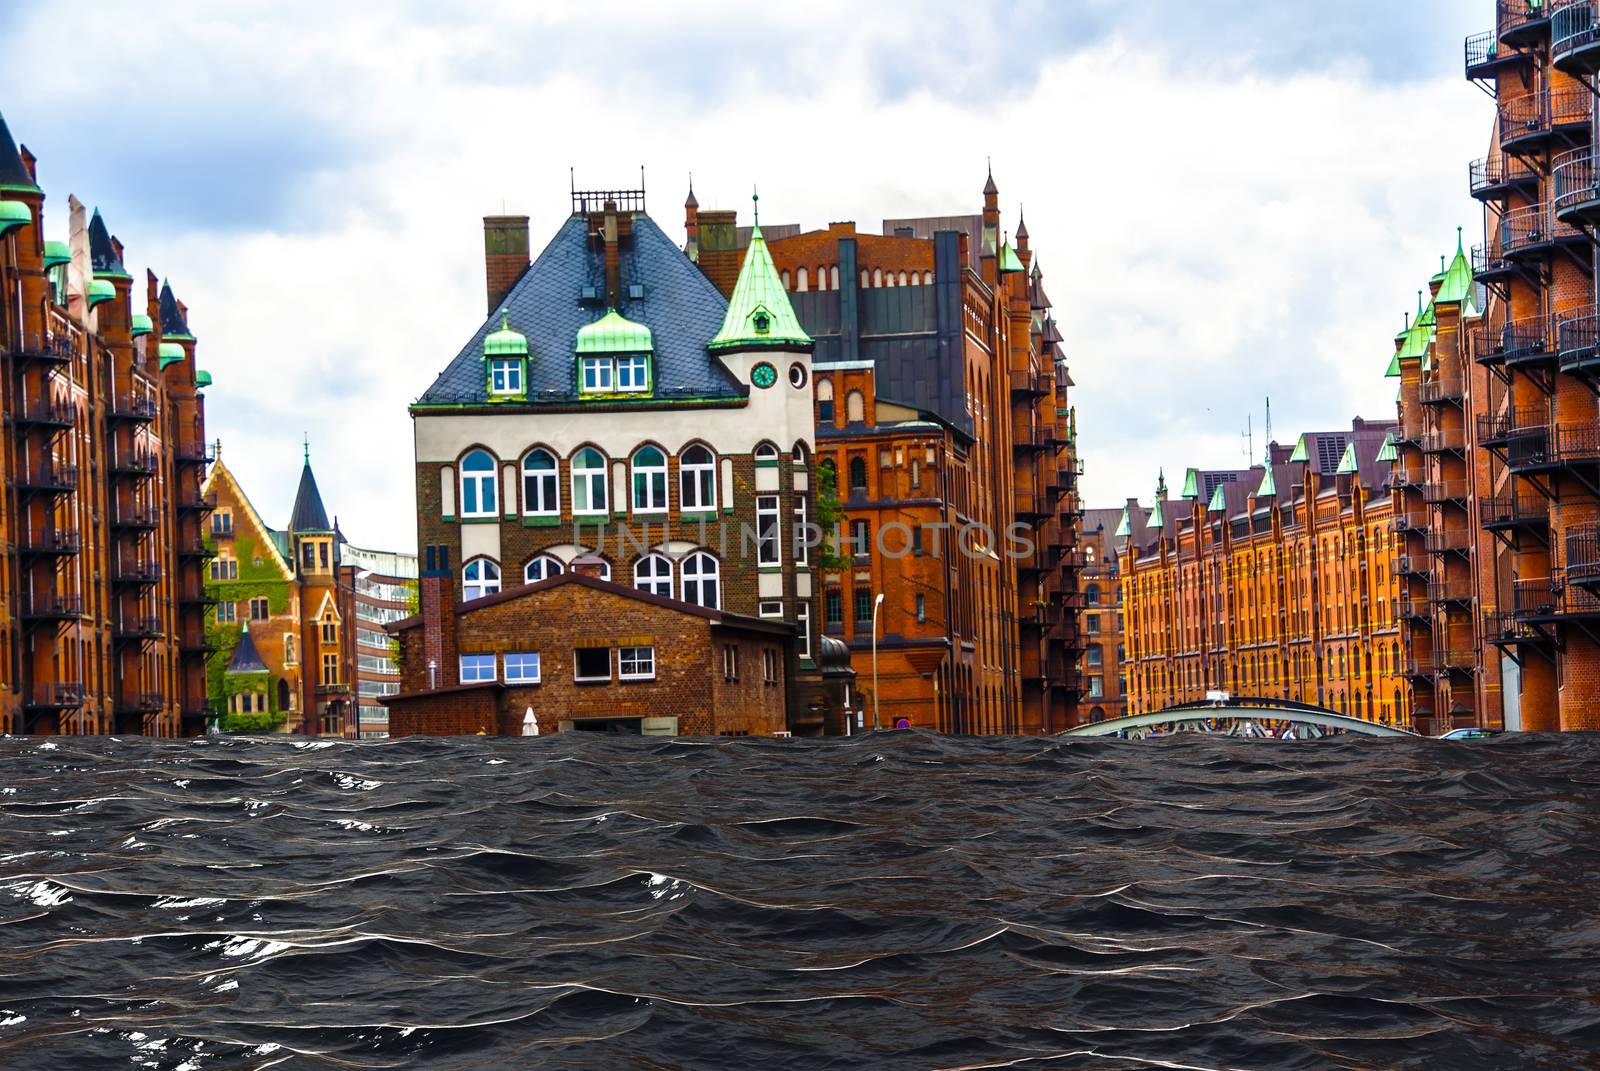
134 515
1548 598
1411 520
1444 440
136 572
1583 555
138 627
1454 657
193 452
1573 25
1499 428
1547 446
1574 179
44 346
1441 389
1498 173
1024 381
1411 565
141 702
1450 591
1534 227
133 407
1447 540
1489 263
1521 17
49 476
1578 339
50 541
1409 431
1536 114
56 695
194 500
1512 511
1403 478
1413 606
1445 491
52 411
1420 666
139 462
52 605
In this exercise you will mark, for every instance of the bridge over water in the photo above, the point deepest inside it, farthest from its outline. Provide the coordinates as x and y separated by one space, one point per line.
1265 719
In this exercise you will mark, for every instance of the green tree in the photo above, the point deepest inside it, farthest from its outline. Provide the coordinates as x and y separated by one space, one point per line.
830 515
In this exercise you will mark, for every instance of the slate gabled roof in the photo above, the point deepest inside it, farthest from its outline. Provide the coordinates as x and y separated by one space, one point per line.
12 174
682 308
103 256
173 323
309 514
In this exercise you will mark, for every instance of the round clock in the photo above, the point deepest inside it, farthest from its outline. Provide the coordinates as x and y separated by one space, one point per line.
763 375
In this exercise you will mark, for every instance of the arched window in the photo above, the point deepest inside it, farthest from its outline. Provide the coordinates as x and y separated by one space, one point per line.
855 407
833 277
902 278
653 574
824 401
541 568
927 278
700 580
697 480
877 277
481 577
649 480
866 279
1092 595
822 277
767 452
589 482
785 277
799 457
802 280
541 490
477 485
858 476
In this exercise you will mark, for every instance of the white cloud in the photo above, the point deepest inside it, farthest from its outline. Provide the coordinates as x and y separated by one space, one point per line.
1208 240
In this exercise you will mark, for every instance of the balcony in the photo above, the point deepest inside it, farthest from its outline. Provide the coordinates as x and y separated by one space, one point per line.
1409 432
49 478
52 412
1406 479
195 502
1455 659
193 454
1505 629
1413 608
134 515
1522 22
1551 599
1444 440
133 463
1028 384
1441 389
1451 591
1501 428
1025 439
45 348
193 594
1489 266
1578 342
137 628
49 542
1448 540
1493 177
1411 565
133 407
1507 512
193 548
1583 556
1546 448
49 606
1410 520
1575 38
1535 231
1441 491
141 703
1421 666
1529 121
55 696
136 573
1029 505
194 642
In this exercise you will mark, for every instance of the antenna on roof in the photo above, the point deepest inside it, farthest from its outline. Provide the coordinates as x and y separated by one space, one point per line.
1249 436
755 202
1269 431
308 446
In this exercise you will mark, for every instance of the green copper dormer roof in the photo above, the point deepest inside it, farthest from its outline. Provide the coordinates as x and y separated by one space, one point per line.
202 378
1157 519
1443 269
14 214
1425 316
1400 335
139 324
505 342
759 313
57 253
1457 285
13 175
171 353
1269 486
1301 451
246 659
1191 484
1008 259
100 290
1416 343
1219 499
613 333
173 322
1387 452
1394 367
1124 526
1347 463
103 256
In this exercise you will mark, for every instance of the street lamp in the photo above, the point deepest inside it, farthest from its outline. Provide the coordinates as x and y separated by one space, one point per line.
875 604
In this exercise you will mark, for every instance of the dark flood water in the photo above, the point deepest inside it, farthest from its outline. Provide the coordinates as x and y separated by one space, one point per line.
900 902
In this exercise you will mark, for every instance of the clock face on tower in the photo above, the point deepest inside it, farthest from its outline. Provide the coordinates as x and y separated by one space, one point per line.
763 375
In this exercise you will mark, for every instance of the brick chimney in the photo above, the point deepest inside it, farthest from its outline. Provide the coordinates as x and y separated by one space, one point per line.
720 255
505 255
437 604
611 235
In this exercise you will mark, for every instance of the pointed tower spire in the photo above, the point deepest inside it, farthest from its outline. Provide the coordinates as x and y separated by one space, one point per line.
103 255
13 172
174 324
759 314
989 188
309 514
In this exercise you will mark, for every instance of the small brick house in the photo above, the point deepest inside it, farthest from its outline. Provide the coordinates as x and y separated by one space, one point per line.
585 654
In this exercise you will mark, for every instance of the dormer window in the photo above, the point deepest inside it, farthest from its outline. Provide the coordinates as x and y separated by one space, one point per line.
614 356
598 374
633 373
505 377
506 352
762 322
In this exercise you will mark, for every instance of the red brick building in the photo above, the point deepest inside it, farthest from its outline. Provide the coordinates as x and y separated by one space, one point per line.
585 654
942 415
1104 686
103 453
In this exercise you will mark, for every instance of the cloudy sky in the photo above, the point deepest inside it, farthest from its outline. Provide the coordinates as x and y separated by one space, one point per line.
1229 200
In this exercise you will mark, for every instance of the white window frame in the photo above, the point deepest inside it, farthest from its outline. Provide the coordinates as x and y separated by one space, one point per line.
475 577
769 666
633 373
541 487
802 619
769 543
595 482
766 452
643 661
697 480
549 566
505 375
802 534
520 662
730 661
473 666
655 482
483 483
700 577
652 580
769 608
592 680
599 373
